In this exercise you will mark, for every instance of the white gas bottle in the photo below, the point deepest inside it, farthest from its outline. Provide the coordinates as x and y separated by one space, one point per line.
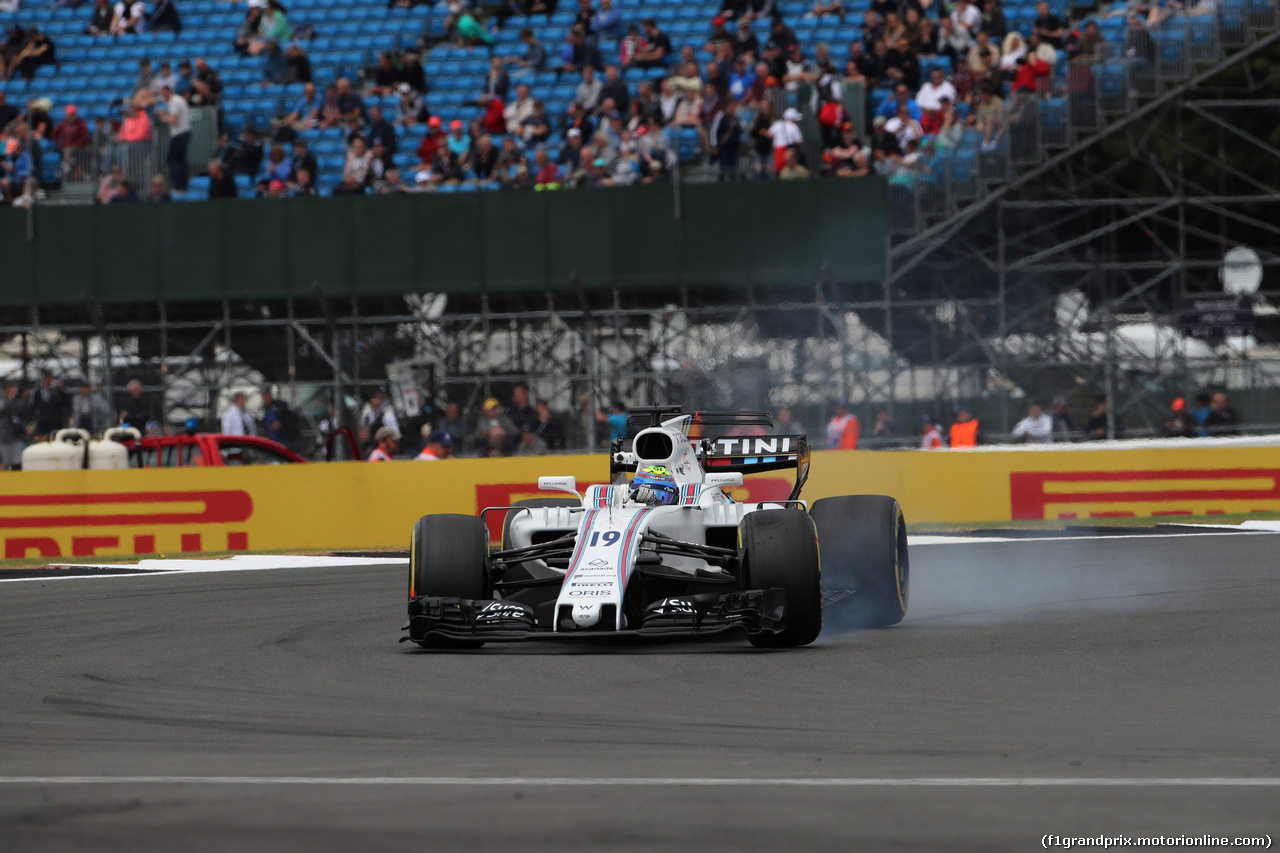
109 454
64 453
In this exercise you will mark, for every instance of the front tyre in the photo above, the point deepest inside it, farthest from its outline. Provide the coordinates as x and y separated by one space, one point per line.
863 540
448 557
778 548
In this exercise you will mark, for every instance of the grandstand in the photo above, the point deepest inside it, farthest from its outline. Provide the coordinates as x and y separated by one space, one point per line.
96 73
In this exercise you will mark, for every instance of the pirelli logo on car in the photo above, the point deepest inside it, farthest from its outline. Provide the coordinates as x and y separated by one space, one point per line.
1037 495
81 525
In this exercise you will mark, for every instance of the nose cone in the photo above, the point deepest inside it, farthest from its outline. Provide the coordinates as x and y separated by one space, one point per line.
586 615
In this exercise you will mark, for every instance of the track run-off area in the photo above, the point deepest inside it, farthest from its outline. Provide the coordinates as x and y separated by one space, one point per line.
1069 686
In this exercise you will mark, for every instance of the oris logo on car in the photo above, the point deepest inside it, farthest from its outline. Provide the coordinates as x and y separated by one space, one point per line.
589 593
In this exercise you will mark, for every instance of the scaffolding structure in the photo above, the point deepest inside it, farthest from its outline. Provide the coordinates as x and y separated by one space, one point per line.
1062 277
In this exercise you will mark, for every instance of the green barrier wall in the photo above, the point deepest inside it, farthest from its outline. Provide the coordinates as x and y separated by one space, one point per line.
735 235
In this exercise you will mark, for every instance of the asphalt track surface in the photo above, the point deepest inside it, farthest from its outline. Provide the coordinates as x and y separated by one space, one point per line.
1099 686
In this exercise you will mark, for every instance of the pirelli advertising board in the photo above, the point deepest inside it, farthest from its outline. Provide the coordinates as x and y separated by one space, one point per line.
354 505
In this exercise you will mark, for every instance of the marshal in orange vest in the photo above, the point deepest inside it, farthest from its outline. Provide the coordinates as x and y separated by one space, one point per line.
965 434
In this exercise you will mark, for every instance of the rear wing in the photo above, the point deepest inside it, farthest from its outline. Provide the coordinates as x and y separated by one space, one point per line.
724 443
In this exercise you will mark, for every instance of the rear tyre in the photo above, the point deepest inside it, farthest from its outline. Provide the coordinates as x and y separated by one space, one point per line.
448 557
778 548
863 541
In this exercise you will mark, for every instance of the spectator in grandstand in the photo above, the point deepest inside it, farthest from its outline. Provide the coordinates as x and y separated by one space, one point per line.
128 17
1030 69
90 411
164 18
177 115
929 98
132 148
726 140
983 55
273 25
385 76
378 413
546 174
158 191
381 164
100 22
1048 26
1222 419
1096 428
109 184
497 83
411 109
349 103
50 406
432 141
466 29
846 158
382 131
1138 46
302 184
237 420
491 418
305 113
901 96
453 425
520 109
607 23
587 95
210 76
279 168
1087 46
138 409
1063 426
221 182
792 168
357 162
614 89
522 414
297 65
35 49
1035 428
530 443
1180 423
412 72
302 160
13 426
785 134
15 40
905 128
548 428
72 132
533 60
990 114
785 423
656 51
163 77
183 86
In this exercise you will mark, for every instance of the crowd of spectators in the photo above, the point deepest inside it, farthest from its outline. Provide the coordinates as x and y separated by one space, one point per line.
729 99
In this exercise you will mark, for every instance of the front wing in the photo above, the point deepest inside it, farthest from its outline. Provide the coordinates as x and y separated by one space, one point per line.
752 610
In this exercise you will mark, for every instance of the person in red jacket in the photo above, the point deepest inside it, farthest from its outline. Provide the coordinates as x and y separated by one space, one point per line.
1031 69
72 131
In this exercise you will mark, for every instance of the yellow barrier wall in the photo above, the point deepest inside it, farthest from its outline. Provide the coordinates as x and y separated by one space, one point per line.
360 505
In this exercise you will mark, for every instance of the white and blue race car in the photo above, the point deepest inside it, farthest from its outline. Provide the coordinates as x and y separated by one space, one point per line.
665 553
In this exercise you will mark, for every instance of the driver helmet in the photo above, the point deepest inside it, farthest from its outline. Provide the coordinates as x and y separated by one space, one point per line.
659 480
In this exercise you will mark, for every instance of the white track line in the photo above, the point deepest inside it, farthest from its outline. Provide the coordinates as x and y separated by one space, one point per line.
668 782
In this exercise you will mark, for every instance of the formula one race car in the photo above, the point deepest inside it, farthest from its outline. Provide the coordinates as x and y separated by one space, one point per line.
668 553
